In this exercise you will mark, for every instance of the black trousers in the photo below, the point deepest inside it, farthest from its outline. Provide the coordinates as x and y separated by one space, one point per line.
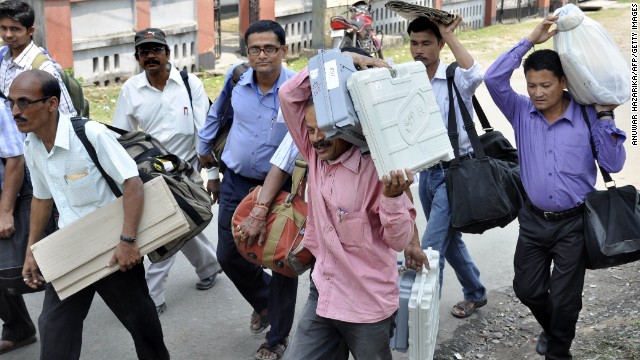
553 296
17 322
127 296
13 311
276 293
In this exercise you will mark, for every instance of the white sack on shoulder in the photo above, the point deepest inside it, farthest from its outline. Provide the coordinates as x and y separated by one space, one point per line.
596 71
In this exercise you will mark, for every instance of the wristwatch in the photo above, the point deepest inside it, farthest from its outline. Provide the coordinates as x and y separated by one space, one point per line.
128 239
602 114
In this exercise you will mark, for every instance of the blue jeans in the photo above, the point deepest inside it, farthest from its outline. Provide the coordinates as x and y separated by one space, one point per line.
440 236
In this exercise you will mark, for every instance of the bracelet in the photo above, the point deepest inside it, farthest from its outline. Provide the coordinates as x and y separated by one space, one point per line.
213 173
602 114
261 206
264 218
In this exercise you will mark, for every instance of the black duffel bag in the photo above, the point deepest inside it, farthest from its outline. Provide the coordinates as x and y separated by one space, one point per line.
611 221
484 191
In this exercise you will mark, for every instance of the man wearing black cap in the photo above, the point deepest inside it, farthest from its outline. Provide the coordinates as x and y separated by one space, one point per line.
157 101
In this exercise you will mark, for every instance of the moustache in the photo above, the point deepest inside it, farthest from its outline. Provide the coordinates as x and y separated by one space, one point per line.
322 144
419 58
18 119
152 61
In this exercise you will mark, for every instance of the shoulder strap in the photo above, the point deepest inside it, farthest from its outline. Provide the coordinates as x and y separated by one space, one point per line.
299 175
39 60
605 174
236 74
468 122
185 78
484 121
78 124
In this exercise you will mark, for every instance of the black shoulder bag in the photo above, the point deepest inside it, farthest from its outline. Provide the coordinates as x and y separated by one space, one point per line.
611 220
484 192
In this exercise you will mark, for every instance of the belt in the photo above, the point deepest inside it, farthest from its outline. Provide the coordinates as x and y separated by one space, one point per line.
557 215
444 165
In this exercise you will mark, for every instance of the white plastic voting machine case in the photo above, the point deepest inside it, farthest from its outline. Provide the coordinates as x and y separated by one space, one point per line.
424 316
400 118
418 316
336 116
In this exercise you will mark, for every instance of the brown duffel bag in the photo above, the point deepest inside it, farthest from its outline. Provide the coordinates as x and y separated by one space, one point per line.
283 250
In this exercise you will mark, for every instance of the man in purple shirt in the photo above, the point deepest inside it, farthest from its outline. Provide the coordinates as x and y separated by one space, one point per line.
558 170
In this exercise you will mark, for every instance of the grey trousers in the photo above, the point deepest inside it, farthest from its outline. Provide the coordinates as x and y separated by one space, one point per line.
200 253
318 338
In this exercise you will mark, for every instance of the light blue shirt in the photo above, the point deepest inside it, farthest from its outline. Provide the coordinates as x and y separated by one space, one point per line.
256 131
11 140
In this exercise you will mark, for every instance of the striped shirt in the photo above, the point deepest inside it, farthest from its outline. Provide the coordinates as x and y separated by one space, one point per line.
11 140
285 155
10 68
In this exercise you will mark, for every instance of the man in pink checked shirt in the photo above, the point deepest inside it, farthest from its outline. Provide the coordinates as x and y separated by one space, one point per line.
356 224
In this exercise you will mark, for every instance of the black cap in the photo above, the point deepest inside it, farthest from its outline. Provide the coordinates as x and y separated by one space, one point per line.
150 35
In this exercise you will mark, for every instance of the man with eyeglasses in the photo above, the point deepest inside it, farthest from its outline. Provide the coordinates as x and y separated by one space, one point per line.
17 55
157 101
253 139
62 171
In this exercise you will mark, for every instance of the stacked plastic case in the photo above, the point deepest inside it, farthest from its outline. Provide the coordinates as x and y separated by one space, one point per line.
418 316
335 114
400 118
424 316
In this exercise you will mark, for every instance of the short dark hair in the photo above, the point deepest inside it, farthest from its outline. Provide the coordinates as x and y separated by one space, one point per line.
545 59
49 84
18 11
423 24
261 26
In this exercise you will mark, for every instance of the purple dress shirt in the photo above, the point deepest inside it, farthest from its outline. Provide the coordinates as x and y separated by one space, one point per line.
556 162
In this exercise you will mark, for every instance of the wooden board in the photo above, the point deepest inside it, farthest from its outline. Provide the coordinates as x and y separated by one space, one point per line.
77 255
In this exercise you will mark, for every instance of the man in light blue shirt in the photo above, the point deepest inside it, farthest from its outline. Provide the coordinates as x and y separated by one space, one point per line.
253 138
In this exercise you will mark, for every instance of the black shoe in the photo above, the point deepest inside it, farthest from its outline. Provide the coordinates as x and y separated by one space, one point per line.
207 283
541 347
161 308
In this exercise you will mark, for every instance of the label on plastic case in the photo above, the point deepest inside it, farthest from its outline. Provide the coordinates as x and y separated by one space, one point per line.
331 75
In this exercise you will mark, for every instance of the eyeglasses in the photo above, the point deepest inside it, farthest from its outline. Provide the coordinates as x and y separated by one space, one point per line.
270 50
23 103
155 51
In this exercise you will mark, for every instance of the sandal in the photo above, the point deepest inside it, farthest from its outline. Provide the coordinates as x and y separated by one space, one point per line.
258 323
466 309
277 350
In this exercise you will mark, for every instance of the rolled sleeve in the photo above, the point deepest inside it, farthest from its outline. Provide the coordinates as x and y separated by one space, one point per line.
611 155
397 216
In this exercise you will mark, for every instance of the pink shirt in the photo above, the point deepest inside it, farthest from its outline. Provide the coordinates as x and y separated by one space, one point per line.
352 229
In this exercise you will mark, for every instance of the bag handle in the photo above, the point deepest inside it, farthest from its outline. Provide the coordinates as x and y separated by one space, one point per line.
484 121
605 174
469 126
